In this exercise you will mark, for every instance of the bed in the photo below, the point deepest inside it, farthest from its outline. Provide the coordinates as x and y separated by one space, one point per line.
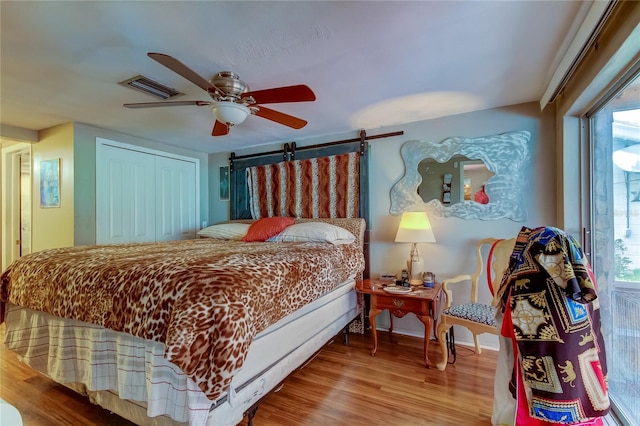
109 357
205 333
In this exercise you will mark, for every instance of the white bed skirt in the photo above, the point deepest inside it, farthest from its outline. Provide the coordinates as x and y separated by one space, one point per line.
129 376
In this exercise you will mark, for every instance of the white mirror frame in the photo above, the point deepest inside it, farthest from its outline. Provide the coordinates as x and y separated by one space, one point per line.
506 155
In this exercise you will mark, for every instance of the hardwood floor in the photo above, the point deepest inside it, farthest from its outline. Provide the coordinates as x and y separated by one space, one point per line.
343 385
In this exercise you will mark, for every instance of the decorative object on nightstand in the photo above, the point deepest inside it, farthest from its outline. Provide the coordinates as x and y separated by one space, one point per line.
388 279
415 228
428 279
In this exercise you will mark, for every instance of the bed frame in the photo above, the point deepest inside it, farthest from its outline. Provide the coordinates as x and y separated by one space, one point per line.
239 199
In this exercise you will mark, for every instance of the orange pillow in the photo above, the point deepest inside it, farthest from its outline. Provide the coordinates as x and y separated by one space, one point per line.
267 227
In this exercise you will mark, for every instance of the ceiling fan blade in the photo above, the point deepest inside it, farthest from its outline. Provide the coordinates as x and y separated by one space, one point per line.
298 93
178 67
219 129
166 104
280 117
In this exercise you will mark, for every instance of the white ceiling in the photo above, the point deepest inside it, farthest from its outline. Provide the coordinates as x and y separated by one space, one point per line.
370 64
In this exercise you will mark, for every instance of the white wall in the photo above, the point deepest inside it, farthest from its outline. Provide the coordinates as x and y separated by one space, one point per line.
453 252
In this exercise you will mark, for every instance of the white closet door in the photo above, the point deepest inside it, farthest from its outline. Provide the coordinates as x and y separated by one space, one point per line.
175 199
125 196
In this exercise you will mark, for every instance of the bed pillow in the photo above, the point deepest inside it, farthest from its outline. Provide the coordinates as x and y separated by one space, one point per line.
225 231
267 227
314 232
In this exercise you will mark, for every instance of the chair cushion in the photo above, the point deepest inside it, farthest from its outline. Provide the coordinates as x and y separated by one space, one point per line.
476 312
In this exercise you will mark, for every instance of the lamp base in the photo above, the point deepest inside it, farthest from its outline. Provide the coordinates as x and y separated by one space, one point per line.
416 266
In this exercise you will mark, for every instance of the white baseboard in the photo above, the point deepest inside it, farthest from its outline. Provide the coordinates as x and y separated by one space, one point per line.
462 342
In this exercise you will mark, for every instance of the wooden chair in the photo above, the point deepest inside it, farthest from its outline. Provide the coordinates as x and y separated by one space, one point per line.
477 317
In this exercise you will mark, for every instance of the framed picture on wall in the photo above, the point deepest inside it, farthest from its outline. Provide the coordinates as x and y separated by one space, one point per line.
224 183
50 183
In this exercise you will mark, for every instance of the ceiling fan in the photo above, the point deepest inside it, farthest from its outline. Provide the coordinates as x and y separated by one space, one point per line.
232 102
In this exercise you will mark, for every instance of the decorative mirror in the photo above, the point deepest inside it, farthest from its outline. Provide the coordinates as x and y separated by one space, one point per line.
469 178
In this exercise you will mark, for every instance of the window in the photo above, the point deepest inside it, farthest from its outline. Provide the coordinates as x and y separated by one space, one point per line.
615 219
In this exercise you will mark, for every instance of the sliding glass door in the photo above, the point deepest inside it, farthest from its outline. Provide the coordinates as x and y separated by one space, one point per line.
615 249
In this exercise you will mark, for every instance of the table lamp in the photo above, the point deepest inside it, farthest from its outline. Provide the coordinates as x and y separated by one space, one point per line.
415 228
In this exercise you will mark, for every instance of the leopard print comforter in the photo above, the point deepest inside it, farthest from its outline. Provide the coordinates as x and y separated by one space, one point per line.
204 299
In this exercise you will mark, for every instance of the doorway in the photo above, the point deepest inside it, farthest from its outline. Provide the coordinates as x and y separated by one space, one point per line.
16 201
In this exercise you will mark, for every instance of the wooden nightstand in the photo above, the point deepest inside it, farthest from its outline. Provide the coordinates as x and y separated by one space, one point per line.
421 301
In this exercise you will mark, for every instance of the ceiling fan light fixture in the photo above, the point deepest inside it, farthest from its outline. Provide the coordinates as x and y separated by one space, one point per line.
230 113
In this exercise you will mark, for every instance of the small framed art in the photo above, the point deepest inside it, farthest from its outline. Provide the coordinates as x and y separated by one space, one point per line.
50 183
224 183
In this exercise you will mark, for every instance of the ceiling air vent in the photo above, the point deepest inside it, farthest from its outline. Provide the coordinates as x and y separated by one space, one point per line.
151 87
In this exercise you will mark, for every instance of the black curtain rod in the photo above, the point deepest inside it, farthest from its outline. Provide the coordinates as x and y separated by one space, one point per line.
297 148
259 154
358 139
